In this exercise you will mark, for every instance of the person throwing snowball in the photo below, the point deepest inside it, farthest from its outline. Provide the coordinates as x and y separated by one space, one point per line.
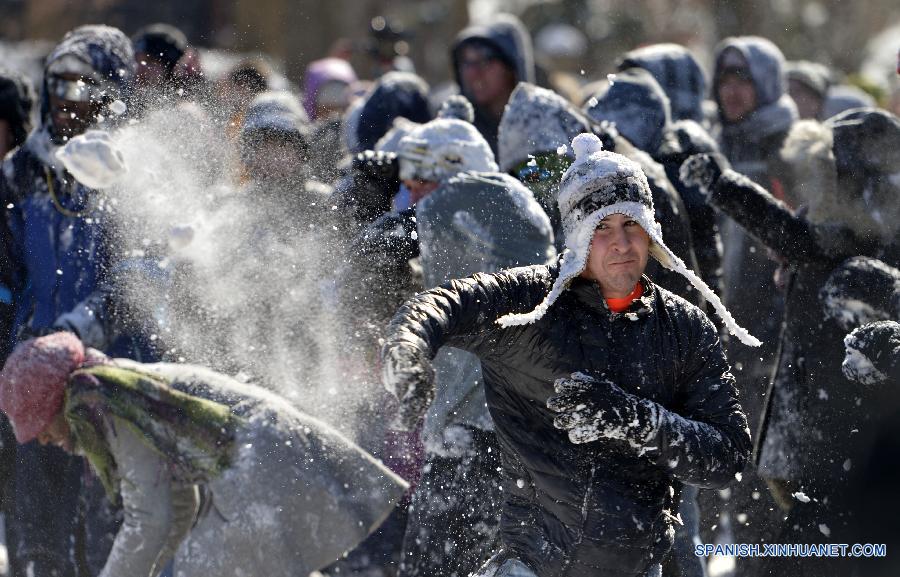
607 391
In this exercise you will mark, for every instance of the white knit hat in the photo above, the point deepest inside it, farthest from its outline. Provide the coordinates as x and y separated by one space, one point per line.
443 148
598 184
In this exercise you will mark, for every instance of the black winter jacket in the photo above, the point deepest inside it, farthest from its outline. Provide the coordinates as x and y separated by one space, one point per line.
597 508
815 421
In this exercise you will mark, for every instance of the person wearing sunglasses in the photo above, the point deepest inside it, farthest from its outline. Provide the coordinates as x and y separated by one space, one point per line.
535 131
60 253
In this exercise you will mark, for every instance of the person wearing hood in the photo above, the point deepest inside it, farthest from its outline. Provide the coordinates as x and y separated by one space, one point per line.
473 220
16 102
808 85
158 436
533 144
61 250
806 437
595 445
489 61
755 115
679 75
863 296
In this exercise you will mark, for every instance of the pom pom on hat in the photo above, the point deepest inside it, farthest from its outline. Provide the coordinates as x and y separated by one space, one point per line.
33 381
585 145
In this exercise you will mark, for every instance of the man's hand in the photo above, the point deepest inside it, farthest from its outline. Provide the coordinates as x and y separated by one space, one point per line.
409 376
703 171
590 409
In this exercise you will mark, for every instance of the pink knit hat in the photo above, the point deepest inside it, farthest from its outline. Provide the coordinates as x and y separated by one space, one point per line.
33 381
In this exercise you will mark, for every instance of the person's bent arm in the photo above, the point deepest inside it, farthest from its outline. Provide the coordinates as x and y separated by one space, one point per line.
146 490
460 313
707 442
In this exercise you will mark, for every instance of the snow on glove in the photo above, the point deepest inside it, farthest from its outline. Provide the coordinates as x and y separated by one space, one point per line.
376 179
407 374
377 170
703 171
590 409
872 353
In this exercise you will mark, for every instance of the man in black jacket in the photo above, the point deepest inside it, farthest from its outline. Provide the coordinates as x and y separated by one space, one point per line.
607 392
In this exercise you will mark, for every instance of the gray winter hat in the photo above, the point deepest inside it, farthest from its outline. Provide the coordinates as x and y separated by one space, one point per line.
598 184
760 58
536 120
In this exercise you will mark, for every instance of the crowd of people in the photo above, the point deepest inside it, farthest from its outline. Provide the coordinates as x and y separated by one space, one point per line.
370 328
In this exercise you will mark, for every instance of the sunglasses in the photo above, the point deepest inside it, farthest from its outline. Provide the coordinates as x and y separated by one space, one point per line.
75 90
542 167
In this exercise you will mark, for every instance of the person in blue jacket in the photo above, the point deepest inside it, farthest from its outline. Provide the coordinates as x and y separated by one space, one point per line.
61 252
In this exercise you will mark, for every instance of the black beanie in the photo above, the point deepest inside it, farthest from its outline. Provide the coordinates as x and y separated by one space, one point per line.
163 42
16 101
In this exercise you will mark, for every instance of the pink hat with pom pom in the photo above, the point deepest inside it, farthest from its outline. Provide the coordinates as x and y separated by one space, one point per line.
33 381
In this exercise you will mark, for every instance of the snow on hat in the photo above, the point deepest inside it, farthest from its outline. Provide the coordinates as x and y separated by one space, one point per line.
443 148
535 121
677 72
598 184
32 383
860 291
636 104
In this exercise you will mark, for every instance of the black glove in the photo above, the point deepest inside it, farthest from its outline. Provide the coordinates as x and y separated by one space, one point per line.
376 179
873 353
590 409
407 374
703 171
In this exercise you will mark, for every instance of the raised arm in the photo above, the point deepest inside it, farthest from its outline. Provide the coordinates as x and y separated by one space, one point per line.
765 217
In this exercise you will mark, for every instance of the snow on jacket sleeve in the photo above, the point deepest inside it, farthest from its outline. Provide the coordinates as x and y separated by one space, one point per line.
772 222
152 529
707 442
462 313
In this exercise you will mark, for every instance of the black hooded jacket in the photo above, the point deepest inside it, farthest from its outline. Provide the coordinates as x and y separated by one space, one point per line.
814 419
601 506
510 39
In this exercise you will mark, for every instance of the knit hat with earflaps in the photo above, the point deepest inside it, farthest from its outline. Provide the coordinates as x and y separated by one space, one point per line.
598 184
